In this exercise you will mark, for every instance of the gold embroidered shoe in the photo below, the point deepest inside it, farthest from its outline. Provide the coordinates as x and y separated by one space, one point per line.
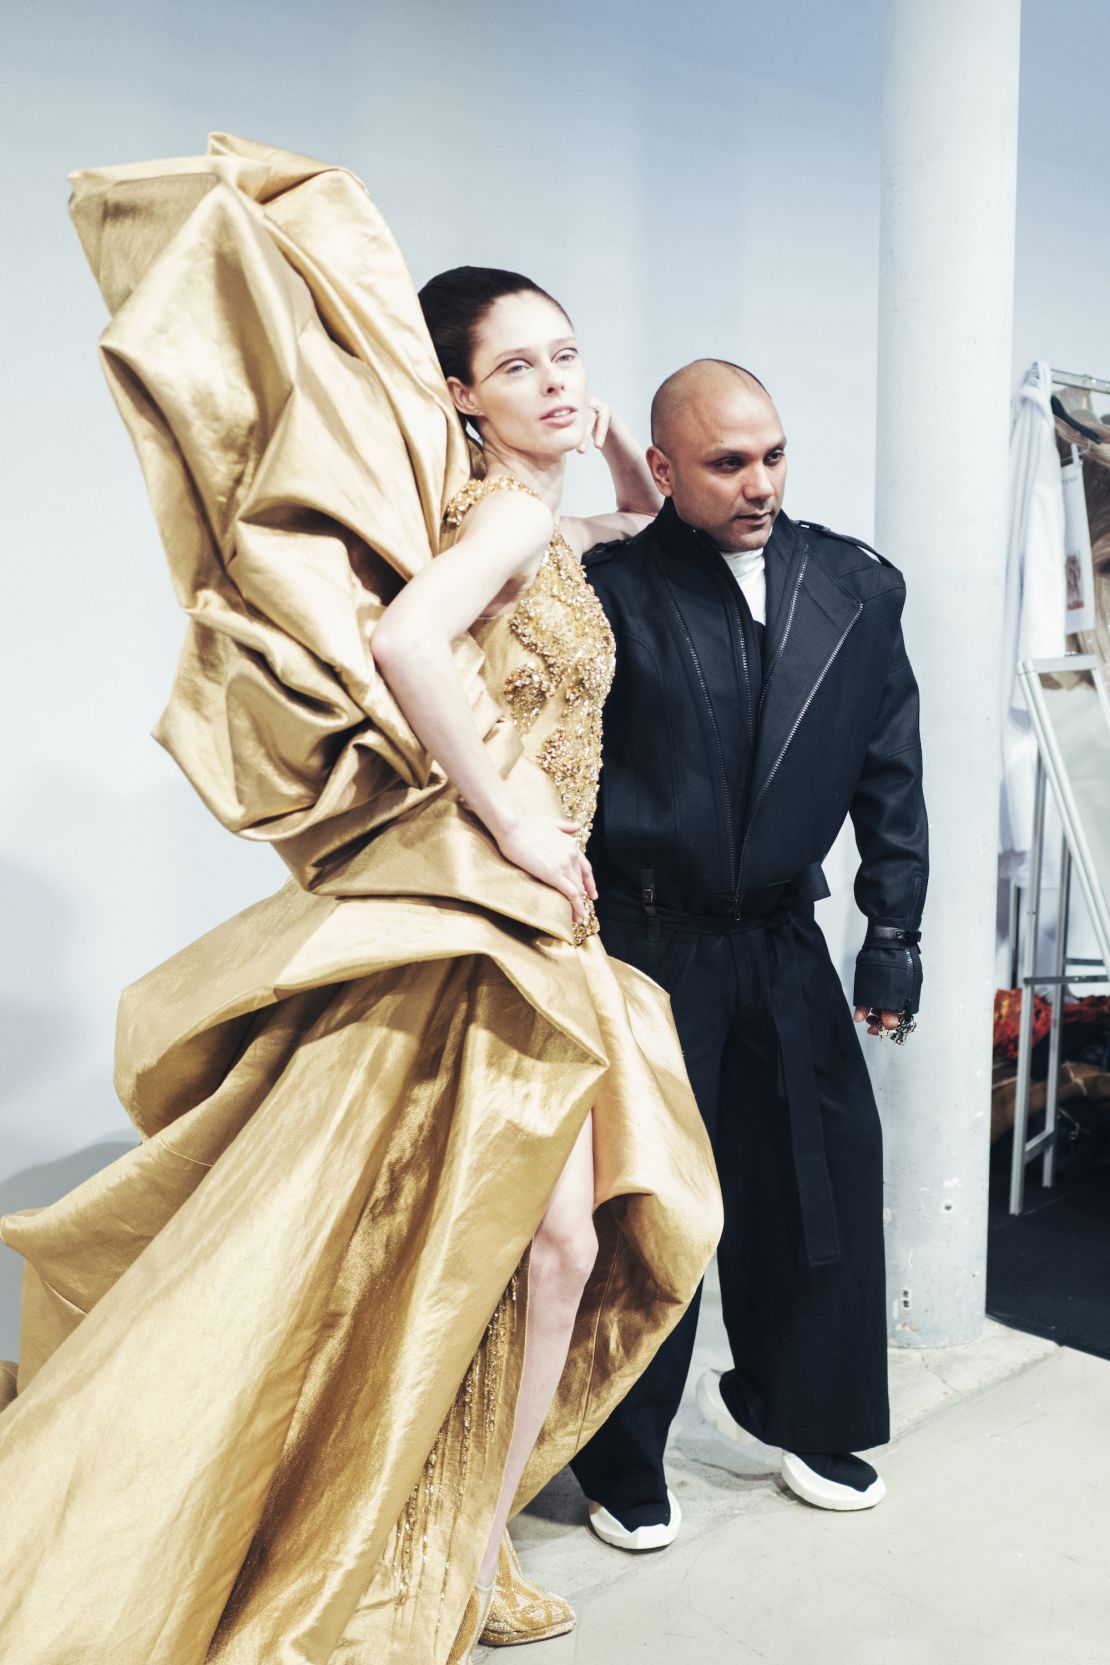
522 1611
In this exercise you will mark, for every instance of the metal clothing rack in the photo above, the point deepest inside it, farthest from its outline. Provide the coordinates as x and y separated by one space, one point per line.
1075 852
1090 384
1065 971
1025 914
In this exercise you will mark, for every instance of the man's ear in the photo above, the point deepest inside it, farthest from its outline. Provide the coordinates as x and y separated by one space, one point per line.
465 402
660 465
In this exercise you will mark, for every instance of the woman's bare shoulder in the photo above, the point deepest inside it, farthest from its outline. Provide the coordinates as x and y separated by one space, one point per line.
518 515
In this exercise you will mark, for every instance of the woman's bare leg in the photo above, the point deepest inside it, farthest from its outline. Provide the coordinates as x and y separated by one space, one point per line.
563 1253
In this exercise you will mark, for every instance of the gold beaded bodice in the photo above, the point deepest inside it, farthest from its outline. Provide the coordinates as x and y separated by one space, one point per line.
550 660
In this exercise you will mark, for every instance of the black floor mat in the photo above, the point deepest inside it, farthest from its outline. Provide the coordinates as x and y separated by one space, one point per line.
1048 1269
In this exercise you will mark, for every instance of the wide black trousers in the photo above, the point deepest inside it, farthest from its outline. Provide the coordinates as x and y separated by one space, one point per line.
808 1343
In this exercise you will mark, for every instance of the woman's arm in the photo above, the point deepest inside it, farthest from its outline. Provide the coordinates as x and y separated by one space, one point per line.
503 538
638 498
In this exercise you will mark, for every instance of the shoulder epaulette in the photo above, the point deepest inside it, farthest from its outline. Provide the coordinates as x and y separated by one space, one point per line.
842 537
601 552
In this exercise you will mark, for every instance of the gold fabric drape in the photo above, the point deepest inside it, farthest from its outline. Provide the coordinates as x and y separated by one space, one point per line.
269 1358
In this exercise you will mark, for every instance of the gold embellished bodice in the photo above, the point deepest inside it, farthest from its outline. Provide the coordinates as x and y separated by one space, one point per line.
550 660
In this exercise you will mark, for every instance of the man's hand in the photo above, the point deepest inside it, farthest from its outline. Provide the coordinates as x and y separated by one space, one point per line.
866 1014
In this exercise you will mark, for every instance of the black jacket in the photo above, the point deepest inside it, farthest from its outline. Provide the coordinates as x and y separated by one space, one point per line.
723 786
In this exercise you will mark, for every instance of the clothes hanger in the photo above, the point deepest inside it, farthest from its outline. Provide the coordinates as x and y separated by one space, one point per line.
1085 384
1072 419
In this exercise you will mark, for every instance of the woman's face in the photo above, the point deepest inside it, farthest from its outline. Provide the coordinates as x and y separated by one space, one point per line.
528 388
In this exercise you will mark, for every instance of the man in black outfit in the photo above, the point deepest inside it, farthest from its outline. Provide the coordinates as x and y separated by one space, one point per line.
762 694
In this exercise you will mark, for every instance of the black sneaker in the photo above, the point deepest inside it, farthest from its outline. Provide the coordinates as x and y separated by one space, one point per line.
639 1532
834 1480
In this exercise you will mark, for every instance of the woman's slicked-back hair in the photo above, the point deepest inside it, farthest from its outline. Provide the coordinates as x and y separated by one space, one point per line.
455 303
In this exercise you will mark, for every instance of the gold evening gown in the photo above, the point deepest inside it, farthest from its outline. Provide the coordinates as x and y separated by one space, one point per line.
269 1358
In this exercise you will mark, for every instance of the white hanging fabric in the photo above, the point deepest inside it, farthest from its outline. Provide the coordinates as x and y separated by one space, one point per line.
1035 605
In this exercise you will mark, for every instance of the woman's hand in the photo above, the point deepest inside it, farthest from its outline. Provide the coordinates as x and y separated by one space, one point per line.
548 850
598 431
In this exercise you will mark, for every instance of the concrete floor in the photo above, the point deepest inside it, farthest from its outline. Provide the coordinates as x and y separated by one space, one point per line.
993 1544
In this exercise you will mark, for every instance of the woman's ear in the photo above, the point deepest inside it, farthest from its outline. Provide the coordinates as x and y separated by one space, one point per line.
465 402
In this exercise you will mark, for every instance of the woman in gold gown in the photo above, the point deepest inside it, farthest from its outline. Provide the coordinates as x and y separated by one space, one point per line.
274 1400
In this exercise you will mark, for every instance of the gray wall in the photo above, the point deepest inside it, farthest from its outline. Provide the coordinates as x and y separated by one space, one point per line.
698 180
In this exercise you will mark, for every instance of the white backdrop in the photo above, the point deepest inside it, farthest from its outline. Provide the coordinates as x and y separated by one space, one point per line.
698 180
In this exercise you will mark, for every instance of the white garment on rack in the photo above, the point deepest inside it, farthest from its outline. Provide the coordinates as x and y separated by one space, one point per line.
1035 604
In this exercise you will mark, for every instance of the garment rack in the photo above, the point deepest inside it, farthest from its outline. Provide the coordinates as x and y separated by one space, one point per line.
1090 384
1068 969
1075 854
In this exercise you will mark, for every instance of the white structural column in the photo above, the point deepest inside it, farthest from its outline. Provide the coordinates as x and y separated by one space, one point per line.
949 155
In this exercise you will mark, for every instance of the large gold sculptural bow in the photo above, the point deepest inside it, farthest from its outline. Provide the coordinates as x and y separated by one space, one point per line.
271 362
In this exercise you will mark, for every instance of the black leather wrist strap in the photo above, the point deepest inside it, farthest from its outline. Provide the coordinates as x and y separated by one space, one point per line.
880 934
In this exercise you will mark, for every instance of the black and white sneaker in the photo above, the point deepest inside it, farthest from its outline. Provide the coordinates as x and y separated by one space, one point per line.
836 1481
642 1534
828 1482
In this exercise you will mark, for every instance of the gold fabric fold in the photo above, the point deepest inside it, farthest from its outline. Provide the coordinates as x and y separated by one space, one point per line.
268 354
251 1349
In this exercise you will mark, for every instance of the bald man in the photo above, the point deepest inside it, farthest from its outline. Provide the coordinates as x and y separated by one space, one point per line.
762 694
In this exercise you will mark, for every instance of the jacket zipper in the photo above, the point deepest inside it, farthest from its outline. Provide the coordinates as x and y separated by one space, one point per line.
728 588
785 748
676 609
773 667
913 920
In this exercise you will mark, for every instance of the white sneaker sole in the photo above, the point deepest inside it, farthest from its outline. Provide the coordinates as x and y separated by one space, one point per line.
609 1529
716 1412
827 1494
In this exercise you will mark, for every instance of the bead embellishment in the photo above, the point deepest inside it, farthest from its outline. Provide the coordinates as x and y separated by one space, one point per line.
474 491
565 674
468 1432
